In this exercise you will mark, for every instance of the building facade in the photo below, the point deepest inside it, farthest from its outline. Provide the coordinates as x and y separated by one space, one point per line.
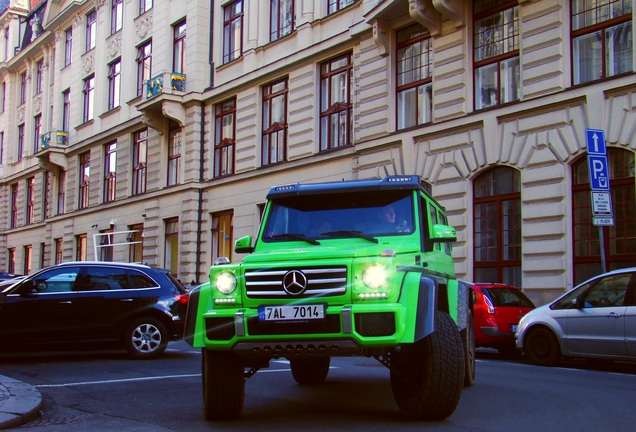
151 131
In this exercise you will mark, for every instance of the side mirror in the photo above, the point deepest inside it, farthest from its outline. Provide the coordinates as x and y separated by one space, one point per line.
443 234
244 245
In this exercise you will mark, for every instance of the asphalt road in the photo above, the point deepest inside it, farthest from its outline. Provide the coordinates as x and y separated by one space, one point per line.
107 391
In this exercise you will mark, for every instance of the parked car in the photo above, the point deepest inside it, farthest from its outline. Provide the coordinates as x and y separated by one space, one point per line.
497 309
6 283
5 275
138 306
596 320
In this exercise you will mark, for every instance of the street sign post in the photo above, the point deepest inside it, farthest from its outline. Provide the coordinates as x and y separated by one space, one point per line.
599 176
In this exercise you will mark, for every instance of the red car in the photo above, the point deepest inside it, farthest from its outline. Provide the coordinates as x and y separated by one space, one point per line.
497 309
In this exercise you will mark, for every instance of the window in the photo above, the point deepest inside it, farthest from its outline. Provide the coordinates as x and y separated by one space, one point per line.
61 192
222 233
414 77
11 260
179 48
497 236
140 162
43 255
601 39
66 109
28 256
144 6
59 251
46 188
114 84
13 222
174 156
23 85
84 180
110 172
225 129
6 43
274 140
171 261
89 98
20 141
105 249
39 76
336 5
37 130
335 102
620 239
232 31
281 18
144 66
3 96
30 204
81 247
496 52
136 239
68 46
91 30
1 147
116 16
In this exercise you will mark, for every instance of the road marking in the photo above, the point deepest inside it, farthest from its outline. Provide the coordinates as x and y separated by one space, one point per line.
116 381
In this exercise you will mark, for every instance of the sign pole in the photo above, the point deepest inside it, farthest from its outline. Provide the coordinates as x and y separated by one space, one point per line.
601 237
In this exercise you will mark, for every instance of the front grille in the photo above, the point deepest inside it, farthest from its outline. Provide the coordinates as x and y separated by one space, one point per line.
219 328
375 324
331 324
321 282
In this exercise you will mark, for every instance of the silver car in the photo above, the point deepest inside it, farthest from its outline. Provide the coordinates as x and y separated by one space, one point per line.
595 320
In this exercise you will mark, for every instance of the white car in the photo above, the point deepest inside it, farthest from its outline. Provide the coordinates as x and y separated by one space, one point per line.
595 320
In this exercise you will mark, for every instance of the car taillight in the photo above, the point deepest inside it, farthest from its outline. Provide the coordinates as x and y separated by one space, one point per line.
491 308
182 298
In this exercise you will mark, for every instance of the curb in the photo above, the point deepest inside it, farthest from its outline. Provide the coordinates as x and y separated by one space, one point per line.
20 403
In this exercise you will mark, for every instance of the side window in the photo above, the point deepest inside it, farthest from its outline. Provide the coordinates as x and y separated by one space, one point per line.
426 226
56 281
608 292
105 278
140 280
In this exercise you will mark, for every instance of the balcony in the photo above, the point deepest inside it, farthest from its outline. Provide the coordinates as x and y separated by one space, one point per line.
162 99
156 86
51 151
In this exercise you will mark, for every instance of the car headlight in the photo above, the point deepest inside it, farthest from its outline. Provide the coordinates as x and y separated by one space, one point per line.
225 283
374 276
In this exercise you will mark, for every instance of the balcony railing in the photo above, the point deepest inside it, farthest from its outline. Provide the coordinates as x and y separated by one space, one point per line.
156 86
56 138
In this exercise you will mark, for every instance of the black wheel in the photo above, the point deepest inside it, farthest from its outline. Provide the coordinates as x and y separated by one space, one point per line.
427 377
146 338
468 338
542 348
223 385
310 370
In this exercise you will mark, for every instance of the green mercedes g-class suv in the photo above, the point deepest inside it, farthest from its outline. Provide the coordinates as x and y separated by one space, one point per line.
351 268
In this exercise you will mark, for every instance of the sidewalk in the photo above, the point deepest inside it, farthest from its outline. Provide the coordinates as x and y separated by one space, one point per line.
19 403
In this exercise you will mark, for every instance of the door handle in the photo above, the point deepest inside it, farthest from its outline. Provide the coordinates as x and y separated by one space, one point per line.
65 302
614 315
127 300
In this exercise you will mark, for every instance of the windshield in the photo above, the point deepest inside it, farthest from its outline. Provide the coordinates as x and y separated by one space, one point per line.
508 297
365 215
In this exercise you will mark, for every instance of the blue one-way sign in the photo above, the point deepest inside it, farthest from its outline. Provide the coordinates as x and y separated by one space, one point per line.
595 140
597 160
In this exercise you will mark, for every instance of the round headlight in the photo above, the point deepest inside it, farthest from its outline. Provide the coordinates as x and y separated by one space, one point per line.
225 283
374 276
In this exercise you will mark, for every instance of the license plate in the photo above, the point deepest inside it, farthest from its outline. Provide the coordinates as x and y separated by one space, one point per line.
291 312
513 328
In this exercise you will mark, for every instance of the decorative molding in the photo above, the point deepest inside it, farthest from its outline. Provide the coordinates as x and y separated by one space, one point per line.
153 119
380 36
88 63
37 103
113 46
423 12
20 114
143 27
452 9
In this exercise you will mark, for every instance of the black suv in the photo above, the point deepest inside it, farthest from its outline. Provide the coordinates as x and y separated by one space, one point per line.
136 305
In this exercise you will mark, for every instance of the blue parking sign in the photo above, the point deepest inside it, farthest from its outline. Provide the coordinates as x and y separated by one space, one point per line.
599 172
595 141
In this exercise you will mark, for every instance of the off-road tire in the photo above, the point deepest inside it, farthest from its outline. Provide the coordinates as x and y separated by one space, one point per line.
468 339
542 348
223 385
145 338
309 370
427 377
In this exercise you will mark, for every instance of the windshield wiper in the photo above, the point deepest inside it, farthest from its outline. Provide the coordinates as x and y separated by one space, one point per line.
295 237
358 234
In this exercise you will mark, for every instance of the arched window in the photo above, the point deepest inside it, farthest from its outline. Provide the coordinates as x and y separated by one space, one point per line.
497 226
620 239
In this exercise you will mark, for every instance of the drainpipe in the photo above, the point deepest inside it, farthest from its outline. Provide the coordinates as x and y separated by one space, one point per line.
197 267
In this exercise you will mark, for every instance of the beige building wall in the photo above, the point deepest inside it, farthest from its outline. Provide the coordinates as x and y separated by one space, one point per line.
541 135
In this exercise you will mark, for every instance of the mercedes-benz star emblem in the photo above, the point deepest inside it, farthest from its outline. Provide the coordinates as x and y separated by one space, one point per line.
294 282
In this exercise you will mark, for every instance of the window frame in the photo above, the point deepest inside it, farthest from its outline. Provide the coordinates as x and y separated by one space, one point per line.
13 219
116 16
68 46
278 10
61 192
114 84
140 163
144 65
20 147
224 146
23 88
39 76
334 6
179 47
232 20
274 151
171 245
66 110
91 29
89 99
174 156
37 131
329 109
30 201
145 6
84 180
110 172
